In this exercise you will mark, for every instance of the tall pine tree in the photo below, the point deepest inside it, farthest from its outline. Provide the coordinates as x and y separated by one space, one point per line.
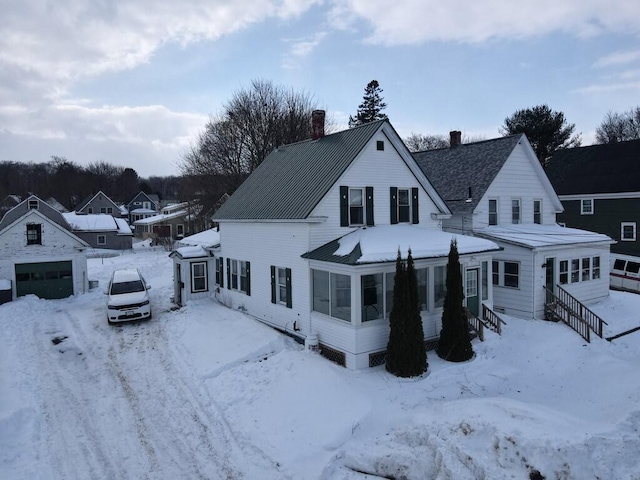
406 354
371 107
454 343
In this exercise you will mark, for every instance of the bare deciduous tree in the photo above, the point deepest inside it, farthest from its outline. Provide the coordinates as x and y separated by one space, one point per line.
418 142
619 127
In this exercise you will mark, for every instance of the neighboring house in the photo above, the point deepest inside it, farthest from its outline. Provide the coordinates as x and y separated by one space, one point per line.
101 230
142 206
99 203
599 187
194 266
53 203
309 242
498 190
173 222
8 203
39 254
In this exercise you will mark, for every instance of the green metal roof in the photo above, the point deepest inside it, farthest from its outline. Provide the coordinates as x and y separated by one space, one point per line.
293 179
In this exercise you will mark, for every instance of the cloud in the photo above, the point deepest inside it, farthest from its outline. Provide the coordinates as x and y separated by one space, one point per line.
610 87
406 22
618 58
301 48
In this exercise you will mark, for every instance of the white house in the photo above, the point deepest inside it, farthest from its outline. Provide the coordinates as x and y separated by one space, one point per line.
40 255
497 189
309 241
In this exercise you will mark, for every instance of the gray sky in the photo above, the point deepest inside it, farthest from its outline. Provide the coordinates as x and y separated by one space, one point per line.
132 82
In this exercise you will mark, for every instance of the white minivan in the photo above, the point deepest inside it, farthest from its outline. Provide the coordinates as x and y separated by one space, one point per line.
625 273
127 296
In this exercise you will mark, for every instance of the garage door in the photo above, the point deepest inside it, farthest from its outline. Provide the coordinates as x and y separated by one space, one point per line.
46 280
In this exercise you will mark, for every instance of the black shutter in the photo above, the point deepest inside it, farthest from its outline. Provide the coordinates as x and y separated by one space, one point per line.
344 206
288 288
248 278
369 206
229 274
393 196
221 266
273 284
414 206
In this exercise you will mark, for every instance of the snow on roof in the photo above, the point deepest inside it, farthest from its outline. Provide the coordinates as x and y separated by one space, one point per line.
191 252
534 235
159 218
381 243
208 238
91 222
123 227
142 210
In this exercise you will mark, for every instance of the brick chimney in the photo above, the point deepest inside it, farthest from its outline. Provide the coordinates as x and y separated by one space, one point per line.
317 124
455 138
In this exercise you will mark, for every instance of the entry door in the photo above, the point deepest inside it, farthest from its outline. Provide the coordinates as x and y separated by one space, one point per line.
473 299
550 274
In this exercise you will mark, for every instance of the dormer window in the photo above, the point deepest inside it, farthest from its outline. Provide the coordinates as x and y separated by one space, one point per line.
34 234
33 204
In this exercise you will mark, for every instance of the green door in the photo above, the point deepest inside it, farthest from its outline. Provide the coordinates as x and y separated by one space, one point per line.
471 284
46 280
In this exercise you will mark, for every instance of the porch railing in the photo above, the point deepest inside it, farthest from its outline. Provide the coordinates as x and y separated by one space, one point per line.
564 306
494 321
475 324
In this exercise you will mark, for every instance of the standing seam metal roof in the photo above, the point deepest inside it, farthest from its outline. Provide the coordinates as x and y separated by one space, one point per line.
294 178
452 171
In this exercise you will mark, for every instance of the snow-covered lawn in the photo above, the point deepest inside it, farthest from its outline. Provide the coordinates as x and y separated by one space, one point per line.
207 392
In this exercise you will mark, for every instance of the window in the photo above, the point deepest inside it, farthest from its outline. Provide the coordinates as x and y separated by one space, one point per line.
515 210
485 281
628 231
180 229
390 279
564 272
356 206
586 206
404 206
511 274
506 274
109 210
238 276
220 272
439 285
33 204
586 269
90 210
423 288
575 270
372 298
34 234
102 239
199 279
493 211
332 294
281 286
103 209
595 268
380 145
537 211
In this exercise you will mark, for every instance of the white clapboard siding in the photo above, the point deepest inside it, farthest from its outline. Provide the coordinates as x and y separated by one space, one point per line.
516 301
372 168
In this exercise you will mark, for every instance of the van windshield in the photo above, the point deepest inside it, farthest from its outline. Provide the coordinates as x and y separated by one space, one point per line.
127 287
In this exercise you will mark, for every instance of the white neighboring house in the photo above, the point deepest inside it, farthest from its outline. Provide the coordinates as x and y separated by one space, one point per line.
194 266
40 255
309 242
497 189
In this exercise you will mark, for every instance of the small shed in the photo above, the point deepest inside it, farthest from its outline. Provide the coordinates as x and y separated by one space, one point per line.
194 266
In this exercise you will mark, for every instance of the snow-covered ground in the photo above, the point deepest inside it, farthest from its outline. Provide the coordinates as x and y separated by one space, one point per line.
207 392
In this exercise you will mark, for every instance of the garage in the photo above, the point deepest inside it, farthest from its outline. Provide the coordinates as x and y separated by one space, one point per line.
47 280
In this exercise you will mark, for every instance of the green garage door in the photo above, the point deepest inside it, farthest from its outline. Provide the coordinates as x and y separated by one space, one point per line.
46 280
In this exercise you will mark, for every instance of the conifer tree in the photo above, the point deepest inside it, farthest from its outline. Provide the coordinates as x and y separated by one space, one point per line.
454 343
371 107
406 355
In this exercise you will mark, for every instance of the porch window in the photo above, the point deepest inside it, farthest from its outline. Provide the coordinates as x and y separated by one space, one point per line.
199 278
564 272
439 285
595 268
485 281
586 269
372 298
493 211
495 272
332 294
575 270
34 234
390 279
422 275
